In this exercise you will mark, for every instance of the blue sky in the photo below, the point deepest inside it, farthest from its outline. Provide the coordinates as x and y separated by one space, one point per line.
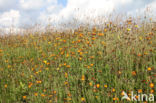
63 2
22 12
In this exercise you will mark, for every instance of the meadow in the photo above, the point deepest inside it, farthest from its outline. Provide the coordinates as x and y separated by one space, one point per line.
90 65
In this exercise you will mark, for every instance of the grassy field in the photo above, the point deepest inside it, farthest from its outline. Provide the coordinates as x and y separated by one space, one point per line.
89 65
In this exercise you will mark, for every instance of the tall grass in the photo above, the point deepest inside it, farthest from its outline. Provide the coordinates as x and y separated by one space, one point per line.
88 65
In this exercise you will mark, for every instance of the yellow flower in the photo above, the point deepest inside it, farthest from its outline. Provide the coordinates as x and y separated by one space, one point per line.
149 68
105 86
113 90
128 29
82 99
136 26
45 61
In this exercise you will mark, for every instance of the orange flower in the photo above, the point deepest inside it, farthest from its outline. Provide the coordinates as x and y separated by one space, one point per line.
42 95
38 81
83 77
133 73
30 84
5 85
151 85
90 84
140 91
91 65
152 91
82 99
66 75
98 85
35 94
24 97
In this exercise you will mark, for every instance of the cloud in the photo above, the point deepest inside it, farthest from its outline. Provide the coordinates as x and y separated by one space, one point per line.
31 11
10 18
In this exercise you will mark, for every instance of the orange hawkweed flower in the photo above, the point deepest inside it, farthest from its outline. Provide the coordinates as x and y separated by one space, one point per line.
36 94
38 81
30 84
133 73
98 85
83 78
5 85
151 85
140 91
24 97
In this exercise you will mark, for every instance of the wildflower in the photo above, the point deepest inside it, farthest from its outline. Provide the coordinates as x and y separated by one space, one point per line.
42 95
36 94
83 78
81 35
82 99
5 85
66 75
93 33
151 85
105 30
90 84
98 85
65 83
91 65
136 26
115 99
38 81
101 34
113 90
45 61
54 92
24 97
128 29
139 55
68 66
133 73
30 84
152 91
140 91
105 86
149 68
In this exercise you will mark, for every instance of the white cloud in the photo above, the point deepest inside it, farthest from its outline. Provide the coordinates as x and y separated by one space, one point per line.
10 18
36 4
30 11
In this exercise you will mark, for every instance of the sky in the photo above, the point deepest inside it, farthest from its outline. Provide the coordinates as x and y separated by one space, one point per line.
19 13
